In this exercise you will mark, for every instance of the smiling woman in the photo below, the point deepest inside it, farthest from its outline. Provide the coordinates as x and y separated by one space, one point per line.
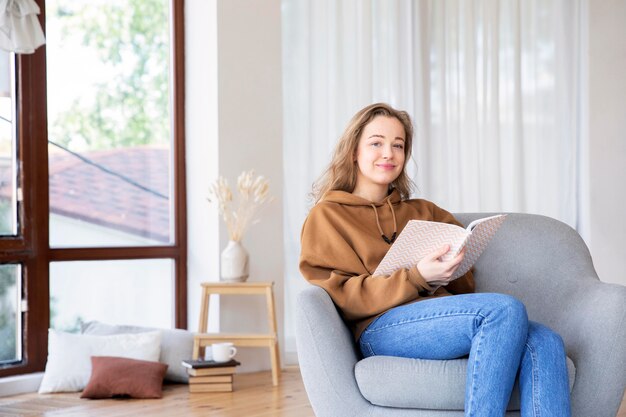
343 170
421 310
380 157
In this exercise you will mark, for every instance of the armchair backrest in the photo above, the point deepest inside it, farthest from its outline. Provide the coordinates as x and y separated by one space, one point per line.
535 259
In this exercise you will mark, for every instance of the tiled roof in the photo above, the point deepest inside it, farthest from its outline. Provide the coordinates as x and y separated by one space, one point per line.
124 189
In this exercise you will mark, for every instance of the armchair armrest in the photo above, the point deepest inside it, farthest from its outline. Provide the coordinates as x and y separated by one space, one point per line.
594 331
546 264
327 356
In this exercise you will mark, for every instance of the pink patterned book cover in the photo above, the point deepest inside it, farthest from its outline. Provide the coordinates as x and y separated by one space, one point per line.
420 238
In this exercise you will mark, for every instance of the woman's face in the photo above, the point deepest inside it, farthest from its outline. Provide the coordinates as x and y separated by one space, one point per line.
380 153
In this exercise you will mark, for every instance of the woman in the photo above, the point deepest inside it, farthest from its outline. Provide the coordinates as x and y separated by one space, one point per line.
362 205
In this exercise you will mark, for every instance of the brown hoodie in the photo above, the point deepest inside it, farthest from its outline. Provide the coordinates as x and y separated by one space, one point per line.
342 246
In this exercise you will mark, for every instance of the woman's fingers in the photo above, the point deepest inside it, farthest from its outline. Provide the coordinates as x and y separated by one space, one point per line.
454 264
434 269
440 252
456 261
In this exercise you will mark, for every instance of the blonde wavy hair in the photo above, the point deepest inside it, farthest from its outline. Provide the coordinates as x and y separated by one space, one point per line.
341 173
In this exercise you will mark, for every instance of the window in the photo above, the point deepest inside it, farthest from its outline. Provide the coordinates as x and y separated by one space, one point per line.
10 274
10 314
109 130
8 167
92 196
135 291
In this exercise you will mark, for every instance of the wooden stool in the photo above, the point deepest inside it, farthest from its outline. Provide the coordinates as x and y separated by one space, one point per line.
269 340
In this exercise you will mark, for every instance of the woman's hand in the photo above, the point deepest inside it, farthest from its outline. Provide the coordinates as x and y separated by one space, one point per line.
438 272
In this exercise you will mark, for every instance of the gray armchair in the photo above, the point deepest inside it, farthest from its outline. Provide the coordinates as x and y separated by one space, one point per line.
539 260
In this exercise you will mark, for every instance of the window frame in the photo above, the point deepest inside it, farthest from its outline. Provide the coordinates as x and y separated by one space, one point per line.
31 247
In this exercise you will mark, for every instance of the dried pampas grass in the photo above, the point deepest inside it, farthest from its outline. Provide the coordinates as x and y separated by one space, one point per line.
253 193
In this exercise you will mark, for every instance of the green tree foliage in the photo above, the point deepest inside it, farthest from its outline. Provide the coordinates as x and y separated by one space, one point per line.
6 214
130 107
7 313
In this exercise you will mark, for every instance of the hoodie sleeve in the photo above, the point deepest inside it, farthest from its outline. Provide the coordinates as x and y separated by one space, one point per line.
464 284
329 260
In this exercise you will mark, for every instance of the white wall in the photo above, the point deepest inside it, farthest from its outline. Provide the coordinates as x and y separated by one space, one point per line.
202 152
234 123
607 138
250 137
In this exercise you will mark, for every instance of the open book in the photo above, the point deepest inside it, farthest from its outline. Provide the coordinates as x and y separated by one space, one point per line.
420 238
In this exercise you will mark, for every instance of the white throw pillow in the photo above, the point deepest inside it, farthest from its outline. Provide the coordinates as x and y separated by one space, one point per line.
69 356
176 345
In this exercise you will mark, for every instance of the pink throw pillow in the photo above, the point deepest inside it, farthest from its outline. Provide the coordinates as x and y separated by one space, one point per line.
113 377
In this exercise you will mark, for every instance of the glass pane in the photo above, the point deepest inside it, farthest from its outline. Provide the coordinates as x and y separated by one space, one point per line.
8 203
137 292
109 122
10 317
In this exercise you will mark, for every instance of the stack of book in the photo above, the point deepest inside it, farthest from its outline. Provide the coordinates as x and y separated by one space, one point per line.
210 376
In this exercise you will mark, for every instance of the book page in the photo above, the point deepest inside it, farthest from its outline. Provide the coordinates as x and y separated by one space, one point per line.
418 239
483 231
476 222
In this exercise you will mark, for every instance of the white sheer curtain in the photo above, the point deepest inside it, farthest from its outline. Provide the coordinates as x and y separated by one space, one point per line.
493 87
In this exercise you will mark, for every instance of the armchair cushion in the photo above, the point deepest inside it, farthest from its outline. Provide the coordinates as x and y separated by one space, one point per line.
417 383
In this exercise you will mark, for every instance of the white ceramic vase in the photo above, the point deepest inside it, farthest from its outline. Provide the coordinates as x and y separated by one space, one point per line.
234 262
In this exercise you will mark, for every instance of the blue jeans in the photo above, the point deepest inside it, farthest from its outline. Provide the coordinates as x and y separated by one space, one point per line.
493 329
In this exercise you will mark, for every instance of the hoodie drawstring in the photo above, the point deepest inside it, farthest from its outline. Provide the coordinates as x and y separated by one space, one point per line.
395 224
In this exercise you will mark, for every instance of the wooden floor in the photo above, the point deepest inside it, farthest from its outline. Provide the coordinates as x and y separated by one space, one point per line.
622 409
254 396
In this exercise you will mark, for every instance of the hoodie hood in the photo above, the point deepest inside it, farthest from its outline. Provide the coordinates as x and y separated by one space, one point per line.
349 199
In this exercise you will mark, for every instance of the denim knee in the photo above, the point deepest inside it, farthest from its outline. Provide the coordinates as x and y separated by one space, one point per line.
513 308
540 336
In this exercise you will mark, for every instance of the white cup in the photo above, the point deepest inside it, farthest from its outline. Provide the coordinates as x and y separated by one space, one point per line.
223 352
